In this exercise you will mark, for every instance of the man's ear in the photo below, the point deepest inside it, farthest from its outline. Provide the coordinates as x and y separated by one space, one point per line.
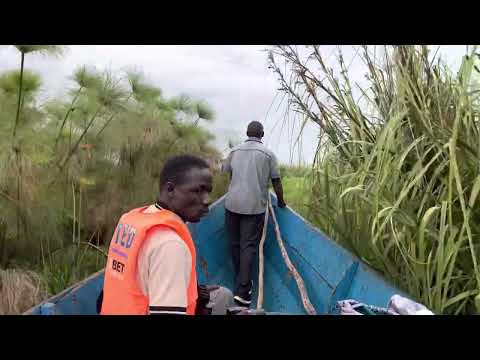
170 186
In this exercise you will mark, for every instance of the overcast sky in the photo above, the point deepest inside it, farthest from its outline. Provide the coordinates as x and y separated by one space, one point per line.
234 79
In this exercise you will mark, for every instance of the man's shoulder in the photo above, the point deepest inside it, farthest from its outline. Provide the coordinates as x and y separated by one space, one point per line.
253 145
268 151
161 231
164 237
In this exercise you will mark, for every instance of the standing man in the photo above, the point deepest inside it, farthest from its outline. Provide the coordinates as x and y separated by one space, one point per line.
151 260
251 166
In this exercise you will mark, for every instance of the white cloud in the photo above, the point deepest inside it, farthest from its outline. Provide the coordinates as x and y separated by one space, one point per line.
235 80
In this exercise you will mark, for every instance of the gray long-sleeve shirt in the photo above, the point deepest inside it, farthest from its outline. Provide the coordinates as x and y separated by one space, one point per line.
252 166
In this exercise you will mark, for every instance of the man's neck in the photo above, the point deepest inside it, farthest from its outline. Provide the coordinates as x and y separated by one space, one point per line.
254 138
159 204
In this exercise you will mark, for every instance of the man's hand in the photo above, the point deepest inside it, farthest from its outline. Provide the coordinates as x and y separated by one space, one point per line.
204 298
277 186
203 295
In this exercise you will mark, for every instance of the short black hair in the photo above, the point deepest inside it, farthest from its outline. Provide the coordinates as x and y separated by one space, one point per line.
175 167
255 128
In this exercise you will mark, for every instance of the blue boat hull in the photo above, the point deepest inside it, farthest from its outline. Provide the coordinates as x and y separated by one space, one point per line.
330 272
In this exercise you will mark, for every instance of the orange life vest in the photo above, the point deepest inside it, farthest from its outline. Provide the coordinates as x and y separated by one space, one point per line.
121 291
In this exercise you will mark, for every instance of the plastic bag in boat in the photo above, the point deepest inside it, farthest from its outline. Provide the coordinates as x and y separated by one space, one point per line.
398 305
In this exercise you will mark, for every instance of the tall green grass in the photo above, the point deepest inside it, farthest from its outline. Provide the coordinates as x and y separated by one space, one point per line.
297 182
71 166
397 173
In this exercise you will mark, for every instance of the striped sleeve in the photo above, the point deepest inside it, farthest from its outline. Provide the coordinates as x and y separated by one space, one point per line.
167 310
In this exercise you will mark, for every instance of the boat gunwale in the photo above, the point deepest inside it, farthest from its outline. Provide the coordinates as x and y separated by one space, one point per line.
361 263
354 257
79 284
65 292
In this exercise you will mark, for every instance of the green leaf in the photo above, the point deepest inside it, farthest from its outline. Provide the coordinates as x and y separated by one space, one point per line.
459 297
351 189
474 193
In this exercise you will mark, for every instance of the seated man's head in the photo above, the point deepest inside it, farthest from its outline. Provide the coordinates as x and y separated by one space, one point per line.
255 129
185 186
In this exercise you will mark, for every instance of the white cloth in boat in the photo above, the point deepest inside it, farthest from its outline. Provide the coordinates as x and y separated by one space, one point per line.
398 305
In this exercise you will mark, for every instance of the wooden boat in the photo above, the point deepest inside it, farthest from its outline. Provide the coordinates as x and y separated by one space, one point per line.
330 272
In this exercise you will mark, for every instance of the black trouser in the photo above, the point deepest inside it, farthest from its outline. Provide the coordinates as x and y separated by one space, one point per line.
245 232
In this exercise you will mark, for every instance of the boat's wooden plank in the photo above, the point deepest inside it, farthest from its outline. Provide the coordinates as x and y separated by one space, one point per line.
330 272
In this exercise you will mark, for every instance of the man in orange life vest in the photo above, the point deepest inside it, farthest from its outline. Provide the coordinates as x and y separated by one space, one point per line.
151 260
